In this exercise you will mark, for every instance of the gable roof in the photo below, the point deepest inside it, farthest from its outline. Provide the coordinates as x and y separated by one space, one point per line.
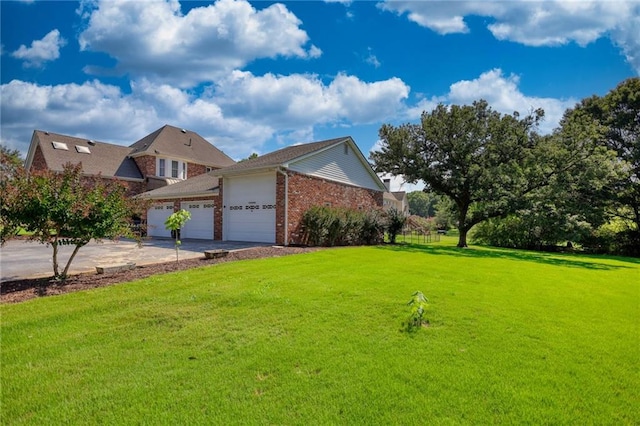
202 185
181 144
102 158
286 157
279 158
396 195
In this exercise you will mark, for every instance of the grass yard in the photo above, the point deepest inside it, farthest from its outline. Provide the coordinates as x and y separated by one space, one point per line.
514 337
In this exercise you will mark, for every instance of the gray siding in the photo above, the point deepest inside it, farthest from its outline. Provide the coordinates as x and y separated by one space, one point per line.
333 164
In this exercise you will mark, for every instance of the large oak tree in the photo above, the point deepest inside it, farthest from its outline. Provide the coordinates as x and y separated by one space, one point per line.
619 114
484 161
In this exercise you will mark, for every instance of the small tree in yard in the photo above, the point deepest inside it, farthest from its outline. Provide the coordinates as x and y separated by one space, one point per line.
175 222
65 208
395 223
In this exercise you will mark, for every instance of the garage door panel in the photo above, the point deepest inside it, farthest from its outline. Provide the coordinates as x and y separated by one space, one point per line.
250 208
156 216
200 226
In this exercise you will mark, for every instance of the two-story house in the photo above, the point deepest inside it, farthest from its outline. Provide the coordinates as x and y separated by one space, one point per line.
166 156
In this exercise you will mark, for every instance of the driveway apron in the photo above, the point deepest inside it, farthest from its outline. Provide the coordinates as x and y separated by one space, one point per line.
25 259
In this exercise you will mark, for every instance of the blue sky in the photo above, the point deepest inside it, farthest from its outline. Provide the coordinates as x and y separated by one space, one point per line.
257 76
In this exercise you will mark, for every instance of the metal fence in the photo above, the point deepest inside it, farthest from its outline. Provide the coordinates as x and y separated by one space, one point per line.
416 236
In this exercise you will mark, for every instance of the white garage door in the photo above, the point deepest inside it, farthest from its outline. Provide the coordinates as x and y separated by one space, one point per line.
250 208
200 225
156 216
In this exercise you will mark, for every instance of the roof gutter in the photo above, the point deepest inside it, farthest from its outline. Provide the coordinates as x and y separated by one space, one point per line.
252 171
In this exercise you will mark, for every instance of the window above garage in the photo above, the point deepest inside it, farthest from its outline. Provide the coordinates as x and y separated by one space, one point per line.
167 167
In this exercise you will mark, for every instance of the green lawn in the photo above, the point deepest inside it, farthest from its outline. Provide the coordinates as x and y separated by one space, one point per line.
514 337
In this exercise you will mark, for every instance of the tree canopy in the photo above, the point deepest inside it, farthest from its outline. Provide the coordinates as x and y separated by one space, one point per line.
618 113
484 161
422 203
66 208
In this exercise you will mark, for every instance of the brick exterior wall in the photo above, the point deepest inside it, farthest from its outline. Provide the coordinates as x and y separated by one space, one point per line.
217 222
134 188
39 163
146 164
195 169
280 209
306 191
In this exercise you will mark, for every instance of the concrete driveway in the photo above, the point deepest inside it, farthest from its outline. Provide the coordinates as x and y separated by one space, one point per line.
25 259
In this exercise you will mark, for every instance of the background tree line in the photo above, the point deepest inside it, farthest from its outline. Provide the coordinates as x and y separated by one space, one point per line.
517 188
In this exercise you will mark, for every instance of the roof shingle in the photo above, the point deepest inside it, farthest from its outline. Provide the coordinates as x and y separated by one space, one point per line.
181 143
103 158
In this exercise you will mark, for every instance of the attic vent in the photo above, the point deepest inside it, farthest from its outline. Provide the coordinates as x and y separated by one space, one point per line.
91 142
83 149
183 130
60 145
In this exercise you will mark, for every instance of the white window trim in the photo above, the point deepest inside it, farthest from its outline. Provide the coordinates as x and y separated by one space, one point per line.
183 171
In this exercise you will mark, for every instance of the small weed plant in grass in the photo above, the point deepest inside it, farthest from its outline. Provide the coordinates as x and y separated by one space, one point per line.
418 306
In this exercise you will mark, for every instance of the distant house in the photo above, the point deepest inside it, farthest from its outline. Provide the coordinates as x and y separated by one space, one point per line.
395 199
166 156
264 199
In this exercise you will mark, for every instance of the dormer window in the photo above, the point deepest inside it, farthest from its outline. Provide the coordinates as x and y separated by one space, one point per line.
172 168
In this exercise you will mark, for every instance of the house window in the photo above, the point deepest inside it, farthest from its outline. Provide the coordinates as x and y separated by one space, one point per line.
172 168
346 149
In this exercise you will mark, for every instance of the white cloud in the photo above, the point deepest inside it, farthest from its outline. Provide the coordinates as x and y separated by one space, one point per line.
372 59
503 95
239 115
156 40
625 35
41 51
304 100
534 23
243 112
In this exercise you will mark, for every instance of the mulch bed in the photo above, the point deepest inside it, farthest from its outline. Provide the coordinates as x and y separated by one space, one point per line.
25 289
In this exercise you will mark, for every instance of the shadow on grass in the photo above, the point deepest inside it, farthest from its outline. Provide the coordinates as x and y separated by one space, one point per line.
557 259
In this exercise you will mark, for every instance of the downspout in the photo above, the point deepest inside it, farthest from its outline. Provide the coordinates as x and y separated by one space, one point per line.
286 205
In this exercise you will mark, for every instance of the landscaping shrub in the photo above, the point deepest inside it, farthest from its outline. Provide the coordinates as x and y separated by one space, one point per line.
395 223
332 226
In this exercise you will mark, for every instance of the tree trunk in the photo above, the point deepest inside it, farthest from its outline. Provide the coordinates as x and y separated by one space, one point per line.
462 224
462 239
66 268
54 244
